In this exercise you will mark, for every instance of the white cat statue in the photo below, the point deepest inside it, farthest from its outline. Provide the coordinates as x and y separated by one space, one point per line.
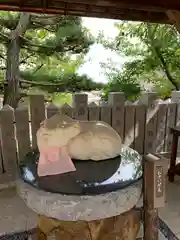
61 138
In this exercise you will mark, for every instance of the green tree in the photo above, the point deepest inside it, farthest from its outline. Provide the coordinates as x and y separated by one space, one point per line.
122 82
61 76
153 54
33 42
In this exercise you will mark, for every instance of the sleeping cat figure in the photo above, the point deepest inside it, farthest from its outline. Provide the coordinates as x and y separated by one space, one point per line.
74 139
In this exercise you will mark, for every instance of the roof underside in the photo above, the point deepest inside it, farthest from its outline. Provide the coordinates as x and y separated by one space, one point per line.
135 10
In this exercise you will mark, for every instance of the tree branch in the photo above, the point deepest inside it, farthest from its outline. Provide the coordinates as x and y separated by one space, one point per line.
4 36
33 83
166 70
9 24
38 25
1 56
25 59
69 47
21 28
161 58
40 83
38 68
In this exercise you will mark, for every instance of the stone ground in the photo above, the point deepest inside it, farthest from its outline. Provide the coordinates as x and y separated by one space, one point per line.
16 217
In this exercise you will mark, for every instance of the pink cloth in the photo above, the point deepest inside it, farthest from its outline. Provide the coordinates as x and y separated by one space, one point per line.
54 161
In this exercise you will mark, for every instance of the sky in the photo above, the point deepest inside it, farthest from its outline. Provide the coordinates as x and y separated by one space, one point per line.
97 53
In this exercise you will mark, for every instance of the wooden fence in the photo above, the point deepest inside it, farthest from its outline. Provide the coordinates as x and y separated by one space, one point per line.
143 126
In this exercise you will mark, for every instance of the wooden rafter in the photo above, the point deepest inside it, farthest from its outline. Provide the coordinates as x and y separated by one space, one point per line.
137 10
174 17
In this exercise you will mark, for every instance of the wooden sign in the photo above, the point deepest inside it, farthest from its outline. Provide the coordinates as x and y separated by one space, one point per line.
153 194
154 185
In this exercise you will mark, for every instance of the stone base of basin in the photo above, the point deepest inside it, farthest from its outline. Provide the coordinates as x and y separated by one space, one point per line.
76 208
123 227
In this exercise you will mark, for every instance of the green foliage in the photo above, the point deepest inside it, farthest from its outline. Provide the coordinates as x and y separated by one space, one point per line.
52 48
119 83
56 98
71 82
61 98
66 36
153 56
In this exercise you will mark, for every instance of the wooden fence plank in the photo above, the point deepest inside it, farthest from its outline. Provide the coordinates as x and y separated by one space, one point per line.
177 123
80 106
161 128
1 163
9 148
140 122
105 113
151 122
171 119
37 112
116 101
22 131
176 98
93 112
129 125
151 130
51 110
67 110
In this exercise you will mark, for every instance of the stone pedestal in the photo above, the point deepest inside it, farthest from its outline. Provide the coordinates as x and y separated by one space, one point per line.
109 216
122 227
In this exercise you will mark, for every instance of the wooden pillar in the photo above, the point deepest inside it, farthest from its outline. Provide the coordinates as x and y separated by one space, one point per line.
174 17
154 194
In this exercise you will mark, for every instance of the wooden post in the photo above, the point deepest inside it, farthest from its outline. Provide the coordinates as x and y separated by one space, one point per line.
140 124
116 101
1 161
176 98
67 110
94 113
105 113
22 131
129 126
161 128
80 105
8 141
149 99
153 194
174 17
51 110
37 111
171 119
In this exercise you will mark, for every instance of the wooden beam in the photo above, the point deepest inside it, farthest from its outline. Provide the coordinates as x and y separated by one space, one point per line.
99 12
156 6
153 6
139 10
174 17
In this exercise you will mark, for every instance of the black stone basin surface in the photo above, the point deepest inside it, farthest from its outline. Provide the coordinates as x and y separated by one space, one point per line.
90 177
